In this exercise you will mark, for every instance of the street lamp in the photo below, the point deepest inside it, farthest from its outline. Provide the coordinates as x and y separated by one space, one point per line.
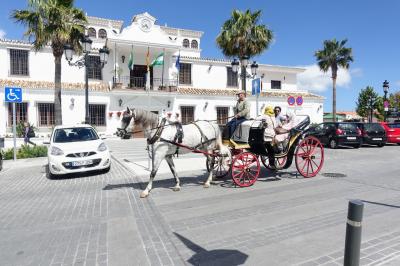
254 68
84 62
244 61
385 104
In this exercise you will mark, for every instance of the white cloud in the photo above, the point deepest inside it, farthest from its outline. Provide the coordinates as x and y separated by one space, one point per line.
2 34
314 79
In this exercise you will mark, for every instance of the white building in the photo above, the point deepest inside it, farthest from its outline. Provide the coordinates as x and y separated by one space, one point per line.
203 88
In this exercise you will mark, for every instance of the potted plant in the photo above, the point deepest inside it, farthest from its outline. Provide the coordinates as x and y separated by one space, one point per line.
110 114
119 113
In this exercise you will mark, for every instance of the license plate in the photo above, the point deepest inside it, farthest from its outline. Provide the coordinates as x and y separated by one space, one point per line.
82 163
351 138
376 138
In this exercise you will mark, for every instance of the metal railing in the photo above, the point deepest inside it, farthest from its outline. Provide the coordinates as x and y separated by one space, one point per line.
139 83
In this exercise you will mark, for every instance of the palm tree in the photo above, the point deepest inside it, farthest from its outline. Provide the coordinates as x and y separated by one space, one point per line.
334 55
241 36
54 23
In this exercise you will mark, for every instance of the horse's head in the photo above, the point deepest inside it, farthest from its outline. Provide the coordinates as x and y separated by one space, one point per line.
128 118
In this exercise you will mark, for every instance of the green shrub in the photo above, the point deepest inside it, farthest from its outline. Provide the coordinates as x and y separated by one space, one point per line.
26 151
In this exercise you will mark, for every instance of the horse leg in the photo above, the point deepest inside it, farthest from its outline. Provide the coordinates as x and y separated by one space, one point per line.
171 165
210 174
157 159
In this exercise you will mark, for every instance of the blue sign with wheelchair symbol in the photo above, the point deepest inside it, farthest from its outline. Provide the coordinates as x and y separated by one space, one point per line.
13 95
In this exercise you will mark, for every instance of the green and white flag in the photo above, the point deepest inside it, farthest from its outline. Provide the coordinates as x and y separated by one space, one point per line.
130 62
159 61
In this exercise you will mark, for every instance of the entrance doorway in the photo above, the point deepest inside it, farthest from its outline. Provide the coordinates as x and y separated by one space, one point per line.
138 76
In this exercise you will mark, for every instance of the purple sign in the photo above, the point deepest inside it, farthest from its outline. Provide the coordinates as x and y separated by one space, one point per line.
299 100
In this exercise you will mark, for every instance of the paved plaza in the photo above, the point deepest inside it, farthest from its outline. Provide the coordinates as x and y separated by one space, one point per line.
284 219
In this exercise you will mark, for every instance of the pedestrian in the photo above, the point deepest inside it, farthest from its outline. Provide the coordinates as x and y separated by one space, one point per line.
28 134
241 111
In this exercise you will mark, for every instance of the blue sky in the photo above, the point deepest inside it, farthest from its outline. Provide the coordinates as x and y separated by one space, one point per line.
371 27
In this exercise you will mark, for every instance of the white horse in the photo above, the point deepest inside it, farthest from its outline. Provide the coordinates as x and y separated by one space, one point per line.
162 136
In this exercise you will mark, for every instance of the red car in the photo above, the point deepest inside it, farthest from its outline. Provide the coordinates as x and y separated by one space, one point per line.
392 132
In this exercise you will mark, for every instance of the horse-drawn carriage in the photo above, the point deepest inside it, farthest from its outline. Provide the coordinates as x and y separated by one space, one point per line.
248 147
242 157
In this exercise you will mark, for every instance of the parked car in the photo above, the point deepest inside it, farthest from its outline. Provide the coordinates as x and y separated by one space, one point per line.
392 132
372 133
77 149
334 134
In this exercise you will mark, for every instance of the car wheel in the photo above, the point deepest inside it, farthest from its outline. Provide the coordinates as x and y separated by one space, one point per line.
380 145
332 144
398 143
357 146
49 174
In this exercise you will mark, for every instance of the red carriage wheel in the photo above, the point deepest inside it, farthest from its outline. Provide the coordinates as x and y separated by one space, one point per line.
309 157
245 169
279 163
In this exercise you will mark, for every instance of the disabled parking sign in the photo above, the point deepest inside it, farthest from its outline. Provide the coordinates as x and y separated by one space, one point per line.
13 95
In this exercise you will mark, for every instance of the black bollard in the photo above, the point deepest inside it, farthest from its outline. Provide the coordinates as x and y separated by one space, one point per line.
353 233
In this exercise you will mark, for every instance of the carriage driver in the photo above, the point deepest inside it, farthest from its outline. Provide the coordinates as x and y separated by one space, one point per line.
241 111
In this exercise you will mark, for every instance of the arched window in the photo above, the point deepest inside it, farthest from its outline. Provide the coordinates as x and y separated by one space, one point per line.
102 34
195 44
185 43
92 32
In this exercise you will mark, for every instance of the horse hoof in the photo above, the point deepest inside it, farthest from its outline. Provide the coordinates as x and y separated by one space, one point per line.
206 185
144 194
176 189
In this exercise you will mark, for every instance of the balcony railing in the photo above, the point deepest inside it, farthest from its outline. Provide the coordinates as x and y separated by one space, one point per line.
139 83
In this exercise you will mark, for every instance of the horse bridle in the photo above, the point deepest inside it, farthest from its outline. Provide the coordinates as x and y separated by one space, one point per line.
127 120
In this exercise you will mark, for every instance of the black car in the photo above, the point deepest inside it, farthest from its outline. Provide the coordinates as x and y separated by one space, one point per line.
336 134
373 133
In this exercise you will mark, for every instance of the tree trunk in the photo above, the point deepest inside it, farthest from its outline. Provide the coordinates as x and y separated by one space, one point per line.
334 99
243 76
57 91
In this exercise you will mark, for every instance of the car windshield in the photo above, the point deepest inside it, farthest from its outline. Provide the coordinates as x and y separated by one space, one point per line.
395 125
373 127
75 134
348 127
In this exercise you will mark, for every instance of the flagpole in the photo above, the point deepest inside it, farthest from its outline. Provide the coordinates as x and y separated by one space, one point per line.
162 74
178 68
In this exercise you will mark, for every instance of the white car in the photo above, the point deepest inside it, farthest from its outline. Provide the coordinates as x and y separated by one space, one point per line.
77 149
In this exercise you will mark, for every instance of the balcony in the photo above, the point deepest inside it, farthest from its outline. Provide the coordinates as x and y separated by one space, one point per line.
139 83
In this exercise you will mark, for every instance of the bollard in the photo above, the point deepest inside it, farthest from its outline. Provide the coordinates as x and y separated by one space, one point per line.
353 233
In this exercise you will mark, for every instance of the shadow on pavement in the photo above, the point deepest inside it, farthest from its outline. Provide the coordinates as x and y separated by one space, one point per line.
213 257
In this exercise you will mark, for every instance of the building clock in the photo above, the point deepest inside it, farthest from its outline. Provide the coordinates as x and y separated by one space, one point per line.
145 24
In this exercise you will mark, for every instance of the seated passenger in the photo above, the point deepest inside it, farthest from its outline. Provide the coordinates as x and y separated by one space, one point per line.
268 117
282 132
241 111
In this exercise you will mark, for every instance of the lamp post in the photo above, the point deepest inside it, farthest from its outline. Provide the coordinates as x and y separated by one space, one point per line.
244 61
385 104
371 108
84 62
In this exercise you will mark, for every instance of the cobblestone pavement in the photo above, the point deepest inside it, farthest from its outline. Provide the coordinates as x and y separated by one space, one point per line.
99 219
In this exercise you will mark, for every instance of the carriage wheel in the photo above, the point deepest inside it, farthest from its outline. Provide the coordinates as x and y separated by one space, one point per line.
279 163
222 165
245 169
309 157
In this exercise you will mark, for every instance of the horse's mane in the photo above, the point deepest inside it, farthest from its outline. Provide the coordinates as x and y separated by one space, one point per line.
146 118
